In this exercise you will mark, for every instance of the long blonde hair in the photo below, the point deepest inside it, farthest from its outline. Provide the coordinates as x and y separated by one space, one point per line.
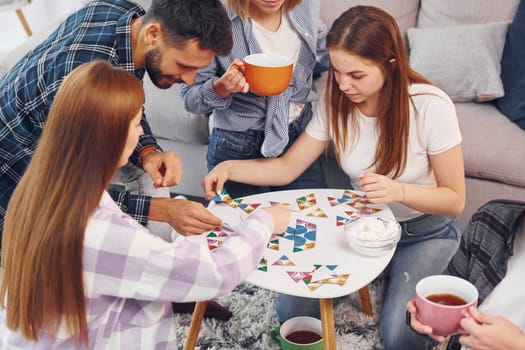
241 7
371 33
76 157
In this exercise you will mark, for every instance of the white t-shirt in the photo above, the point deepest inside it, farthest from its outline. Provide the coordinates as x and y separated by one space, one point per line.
285 41
433 130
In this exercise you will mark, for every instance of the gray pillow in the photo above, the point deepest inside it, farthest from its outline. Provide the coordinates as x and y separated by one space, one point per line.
464 61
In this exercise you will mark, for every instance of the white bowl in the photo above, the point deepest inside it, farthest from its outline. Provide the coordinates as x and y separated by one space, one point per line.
372 236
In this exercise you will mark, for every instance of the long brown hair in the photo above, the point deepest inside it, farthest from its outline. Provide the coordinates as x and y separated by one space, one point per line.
76 157
373 34
241 7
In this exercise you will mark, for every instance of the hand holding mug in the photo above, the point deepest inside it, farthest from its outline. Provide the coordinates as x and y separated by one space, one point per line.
442 301
419 327
490 332
266 74
232 81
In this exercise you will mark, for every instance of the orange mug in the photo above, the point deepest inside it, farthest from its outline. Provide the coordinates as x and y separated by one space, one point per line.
267 74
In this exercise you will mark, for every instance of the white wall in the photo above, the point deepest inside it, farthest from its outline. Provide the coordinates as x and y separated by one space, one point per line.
39 15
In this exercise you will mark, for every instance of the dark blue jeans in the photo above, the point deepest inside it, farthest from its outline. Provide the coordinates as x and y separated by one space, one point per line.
226 145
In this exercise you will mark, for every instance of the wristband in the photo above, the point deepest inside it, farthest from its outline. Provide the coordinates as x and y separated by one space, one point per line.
146 150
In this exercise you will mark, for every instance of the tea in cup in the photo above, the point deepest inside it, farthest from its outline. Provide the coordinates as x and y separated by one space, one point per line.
442 301
267 74
299 333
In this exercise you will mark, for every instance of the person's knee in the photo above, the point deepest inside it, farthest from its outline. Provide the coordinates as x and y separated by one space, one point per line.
398 335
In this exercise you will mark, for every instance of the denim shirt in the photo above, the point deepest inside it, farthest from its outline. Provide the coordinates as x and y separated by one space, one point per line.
241 112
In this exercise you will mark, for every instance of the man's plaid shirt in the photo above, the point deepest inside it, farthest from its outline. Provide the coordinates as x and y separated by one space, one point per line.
99 31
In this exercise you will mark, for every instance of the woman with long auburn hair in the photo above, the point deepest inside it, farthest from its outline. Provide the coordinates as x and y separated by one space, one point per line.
397 138
78 272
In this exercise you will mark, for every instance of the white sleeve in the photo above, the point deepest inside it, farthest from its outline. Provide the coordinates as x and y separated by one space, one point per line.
318 127
440 124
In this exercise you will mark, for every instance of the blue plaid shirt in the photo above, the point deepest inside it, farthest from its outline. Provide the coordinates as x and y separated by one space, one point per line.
99 31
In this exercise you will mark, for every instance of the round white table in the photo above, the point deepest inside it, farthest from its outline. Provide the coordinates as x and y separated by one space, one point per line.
312 249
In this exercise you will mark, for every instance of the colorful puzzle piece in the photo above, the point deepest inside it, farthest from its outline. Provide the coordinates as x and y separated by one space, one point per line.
283 261
225 198
273 244
305 235
307 201
298 275
360 202
214 238
249 207
321 274
214 243
342 220
318 213
334 279
263 265
363 210
346 197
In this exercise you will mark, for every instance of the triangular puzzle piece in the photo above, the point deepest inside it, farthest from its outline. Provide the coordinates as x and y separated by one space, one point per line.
249 207
298 275
318 213
283 261
306 202
213 243
273 244
225 198
262 265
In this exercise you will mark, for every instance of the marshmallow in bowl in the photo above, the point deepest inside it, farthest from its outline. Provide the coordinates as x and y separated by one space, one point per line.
373 229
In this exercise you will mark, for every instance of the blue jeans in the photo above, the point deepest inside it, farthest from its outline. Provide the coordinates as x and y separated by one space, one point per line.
225 145
426 246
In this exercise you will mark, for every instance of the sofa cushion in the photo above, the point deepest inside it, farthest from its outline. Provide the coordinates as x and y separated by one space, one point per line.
464 61
492 144
442 13
169 120
405 12
513 70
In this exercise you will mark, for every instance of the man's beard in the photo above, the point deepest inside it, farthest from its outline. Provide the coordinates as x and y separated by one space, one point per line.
153 59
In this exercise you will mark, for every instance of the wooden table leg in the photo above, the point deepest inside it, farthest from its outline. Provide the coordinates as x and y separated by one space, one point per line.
366 304
328 323
23 20
195 325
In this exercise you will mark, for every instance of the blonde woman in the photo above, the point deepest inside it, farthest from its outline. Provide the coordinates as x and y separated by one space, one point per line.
249 126
78 272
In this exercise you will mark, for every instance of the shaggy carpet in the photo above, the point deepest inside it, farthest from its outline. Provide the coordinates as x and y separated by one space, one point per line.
254 316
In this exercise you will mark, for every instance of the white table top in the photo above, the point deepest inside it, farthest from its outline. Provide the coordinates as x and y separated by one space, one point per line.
331 247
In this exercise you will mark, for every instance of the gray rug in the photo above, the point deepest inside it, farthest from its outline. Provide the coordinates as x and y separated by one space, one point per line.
254 316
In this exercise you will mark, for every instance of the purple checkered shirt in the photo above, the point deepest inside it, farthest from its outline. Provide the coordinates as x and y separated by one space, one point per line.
131 277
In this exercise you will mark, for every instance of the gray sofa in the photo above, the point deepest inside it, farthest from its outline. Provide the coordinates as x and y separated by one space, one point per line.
493 146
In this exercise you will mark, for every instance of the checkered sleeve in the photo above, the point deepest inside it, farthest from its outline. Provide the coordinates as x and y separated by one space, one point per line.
137 206
144 267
